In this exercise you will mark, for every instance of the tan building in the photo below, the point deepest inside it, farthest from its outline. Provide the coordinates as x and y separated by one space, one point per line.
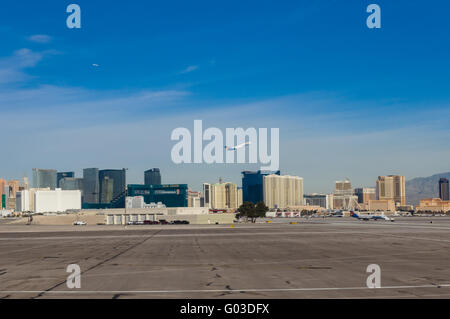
221 196
344 196
433 205
365 194
381 205
391 187
194 198
306 207
13 186
282 191
330 201
240 196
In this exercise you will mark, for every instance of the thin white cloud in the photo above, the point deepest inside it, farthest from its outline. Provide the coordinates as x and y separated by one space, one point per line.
40 38
189 69
12 68
25 58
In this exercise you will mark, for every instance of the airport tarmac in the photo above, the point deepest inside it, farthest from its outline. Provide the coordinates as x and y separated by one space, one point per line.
315 258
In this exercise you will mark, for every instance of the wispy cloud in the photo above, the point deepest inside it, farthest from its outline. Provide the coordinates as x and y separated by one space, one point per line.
12 68
40 38
189 69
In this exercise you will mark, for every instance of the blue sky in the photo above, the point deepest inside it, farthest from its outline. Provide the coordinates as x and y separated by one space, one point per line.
349 101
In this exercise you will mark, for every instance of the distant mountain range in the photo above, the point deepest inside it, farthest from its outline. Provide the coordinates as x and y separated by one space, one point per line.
423 187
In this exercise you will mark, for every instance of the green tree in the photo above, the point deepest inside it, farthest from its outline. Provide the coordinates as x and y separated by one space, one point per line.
247 209
260 211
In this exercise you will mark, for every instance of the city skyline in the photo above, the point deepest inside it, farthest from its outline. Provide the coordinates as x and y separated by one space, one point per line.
221 157
233 179
359 111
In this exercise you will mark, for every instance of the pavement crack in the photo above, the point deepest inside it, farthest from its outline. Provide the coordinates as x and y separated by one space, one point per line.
100 263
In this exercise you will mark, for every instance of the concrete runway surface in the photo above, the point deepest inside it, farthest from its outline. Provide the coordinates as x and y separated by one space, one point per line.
316 258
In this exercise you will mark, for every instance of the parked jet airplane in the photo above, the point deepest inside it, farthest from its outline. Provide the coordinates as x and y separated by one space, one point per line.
371 217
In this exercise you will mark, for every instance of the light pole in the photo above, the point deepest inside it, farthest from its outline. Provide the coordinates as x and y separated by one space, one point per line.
125 195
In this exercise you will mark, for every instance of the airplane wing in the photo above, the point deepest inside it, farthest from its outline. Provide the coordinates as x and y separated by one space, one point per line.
242 145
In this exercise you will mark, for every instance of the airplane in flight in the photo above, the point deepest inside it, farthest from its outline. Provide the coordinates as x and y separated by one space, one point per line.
235 148
371 217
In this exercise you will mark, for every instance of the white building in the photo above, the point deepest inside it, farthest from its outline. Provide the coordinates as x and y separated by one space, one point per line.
135 202
282 191
53 201
23 201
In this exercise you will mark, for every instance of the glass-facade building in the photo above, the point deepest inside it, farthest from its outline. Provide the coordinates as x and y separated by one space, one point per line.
443 189
114 179
91 187
152 177
61 175
43 178
252 185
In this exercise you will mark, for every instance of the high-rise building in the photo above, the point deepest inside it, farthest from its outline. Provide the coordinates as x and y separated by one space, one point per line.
391 187
72 183
23 201
152 177
91 187
221 195
194 198
343 196
239 197
44 178
231 196
25 184
443 189
282 191
3 185
118 179
107 190
207 195
61 175
252 185
321 200
365 194
13 188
